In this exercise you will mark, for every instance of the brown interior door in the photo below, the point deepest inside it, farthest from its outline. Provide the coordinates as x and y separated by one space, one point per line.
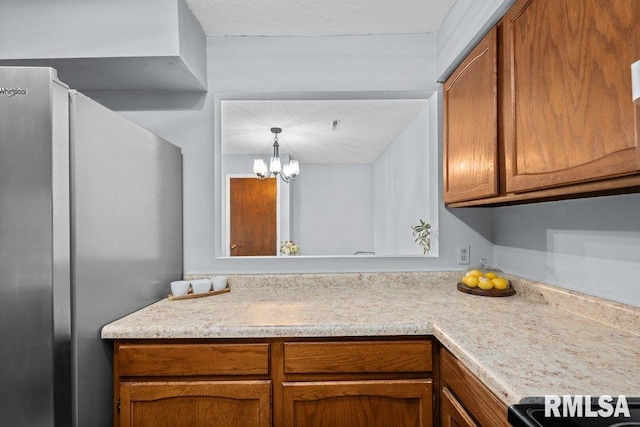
252 217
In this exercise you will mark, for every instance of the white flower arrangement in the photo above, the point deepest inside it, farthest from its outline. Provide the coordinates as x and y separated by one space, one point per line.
289 248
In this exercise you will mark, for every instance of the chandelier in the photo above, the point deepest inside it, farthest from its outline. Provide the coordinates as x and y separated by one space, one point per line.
287 172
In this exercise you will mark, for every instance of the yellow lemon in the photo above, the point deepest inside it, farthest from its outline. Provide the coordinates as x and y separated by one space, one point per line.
500 283
470 281
491 275
485 284
475 273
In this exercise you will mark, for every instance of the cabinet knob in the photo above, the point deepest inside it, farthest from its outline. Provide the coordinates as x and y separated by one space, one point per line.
233 246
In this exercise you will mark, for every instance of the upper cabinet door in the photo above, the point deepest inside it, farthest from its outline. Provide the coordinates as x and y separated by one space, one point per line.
470 125
569 116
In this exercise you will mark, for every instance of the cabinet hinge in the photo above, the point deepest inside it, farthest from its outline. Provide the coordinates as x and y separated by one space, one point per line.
118 406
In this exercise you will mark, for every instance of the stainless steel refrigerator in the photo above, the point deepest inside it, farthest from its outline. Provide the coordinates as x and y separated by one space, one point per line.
90 230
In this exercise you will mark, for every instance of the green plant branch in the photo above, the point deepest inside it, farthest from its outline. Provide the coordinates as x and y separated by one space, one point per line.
422 234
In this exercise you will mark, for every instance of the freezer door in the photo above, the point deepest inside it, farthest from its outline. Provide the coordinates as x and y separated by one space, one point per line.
126 238
35 367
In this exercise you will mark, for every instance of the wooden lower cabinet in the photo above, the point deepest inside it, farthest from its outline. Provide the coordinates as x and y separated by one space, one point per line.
465 400
358 403
192 383
452 413
386 381
195 403
363 382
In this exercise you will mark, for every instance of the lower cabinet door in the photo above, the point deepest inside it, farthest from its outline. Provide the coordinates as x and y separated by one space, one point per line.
195 403
358 403
452 413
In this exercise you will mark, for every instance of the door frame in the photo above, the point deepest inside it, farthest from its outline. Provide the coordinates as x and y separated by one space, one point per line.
227 203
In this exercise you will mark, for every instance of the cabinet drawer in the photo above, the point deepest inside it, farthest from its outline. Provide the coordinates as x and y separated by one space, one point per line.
353 357
193 359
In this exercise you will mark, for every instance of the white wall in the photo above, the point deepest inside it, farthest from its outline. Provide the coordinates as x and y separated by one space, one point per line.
333 209
321 64
281 64
300 65
366 65
346 64
402 195
87 29
467 22
588 245
114 45
192 42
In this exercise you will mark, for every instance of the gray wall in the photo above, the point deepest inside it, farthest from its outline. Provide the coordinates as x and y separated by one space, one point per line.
388 63
114 45
192 41
333 209
301 65
340 63
467 22
87 29
588 245
402 189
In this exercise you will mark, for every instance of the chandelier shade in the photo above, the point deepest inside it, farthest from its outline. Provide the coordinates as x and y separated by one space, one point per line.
260 167
287 172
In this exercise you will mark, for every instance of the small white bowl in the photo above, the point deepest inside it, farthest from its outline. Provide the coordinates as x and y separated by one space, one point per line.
201 286
180 288
219 282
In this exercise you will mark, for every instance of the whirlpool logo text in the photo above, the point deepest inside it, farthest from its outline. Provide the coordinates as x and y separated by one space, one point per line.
13 91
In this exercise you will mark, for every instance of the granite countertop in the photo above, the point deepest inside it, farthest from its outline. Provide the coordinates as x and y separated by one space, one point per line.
530 344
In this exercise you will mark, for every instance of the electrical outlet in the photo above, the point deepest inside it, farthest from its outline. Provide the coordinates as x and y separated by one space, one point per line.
464 254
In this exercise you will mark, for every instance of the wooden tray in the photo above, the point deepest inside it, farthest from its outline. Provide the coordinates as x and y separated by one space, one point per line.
191 295
490 293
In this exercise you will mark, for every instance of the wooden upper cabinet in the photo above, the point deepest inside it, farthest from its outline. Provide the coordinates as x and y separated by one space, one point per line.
470 125
569 116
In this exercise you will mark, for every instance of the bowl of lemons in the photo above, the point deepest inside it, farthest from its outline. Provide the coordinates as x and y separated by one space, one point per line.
486 281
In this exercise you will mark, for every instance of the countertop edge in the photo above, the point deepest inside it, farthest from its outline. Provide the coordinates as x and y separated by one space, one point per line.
608 314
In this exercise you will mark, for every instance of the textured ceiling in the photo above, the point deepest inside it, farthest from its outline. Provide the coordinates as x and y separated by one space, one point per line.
366 127
319 17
